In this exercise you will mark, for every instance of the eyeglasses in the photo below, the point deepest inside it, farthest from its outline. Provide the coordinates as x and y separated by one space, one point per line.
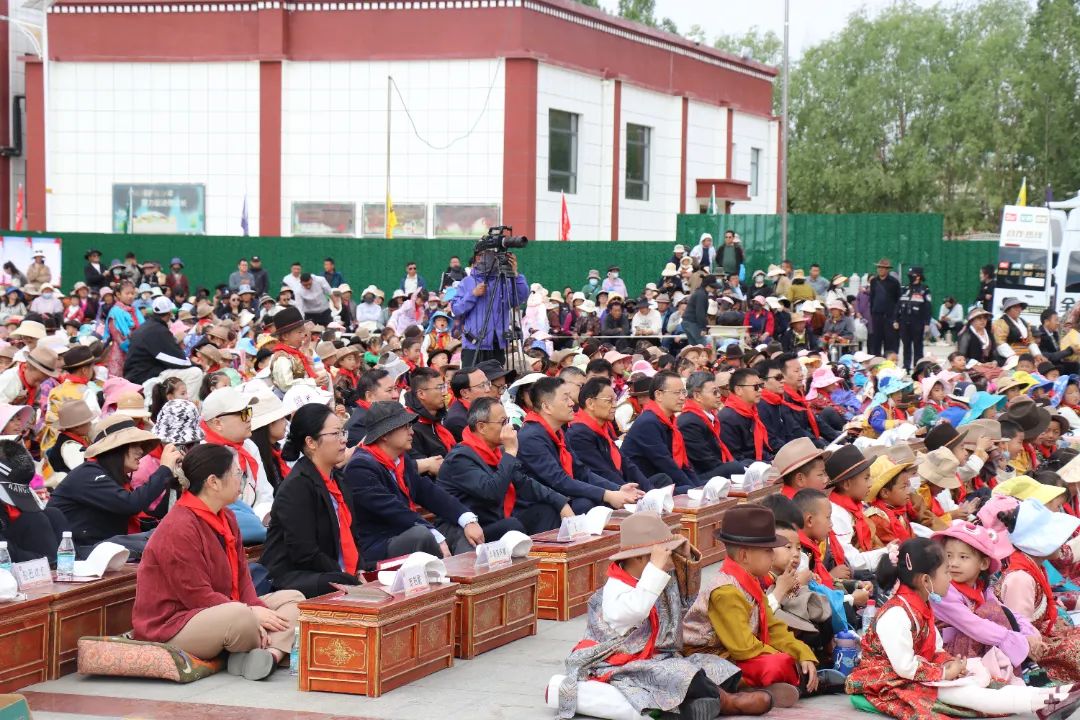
681 392
486 385
342 434
245 414
756 386
439 388
504 421
778 378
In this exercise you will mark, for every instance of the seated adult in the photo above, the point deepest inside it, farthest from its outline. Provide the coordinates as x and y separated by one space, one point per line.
741 427
466 385
388 493
699 424
97 498
484 473
30 531
799 336
194 590
152 349
799 419
542 449
311 540
591 438
431 440
654 441
375 385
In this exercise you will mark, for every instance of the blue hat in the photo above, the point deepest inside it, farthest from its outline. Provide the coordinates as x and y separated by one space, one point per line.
980 403
1041 381
176 261
1057 395
893 384
1038 531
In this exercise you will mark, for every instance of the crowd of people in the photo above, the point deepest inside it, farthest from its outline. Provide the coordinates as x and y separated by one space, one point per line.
186 423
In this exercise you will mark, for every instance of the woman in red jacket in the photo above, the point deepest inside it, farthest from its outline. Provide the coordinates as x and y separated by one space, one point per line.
194 590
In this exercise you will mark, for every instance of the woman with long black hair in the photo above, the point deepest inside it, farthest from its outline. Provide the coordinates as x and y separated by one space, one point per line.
268 424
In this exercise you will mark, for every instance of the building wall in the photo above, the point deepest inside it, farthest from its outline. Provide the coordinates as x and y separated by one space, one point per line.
334 133
750 132
18 45
152 123
706 147
590 98
652 219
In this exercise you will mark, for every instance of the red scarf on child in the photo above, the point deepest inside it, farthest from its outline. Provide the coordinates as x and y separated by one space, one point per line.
566 460
490 457
864 536
711 422
926 649
794 400
350 556
789 491
816 563
897 519
678 445
219 523
1020 561
74 379
351 377
396 469
29 390
751 587
615 572
1030 450
309 368
746 410
976 594
605 431
248 463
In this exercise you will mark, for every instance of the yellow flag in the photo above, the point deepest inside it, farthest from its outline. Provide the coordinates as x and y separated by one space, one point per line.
391 217
1021 199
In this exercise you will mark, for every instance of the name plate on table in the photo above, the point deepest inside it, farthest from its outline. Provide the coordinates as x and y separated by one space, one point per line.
31 573
493 555
573 528
411 580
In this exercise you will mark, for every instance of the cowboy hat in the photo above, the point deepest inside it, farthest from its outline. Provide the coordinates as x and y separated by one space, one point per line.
327 352
76 357
30 329
798 275
884 262
641 532
287 319
1023 487
795 454
945 436
385 417
882 472
44 360
844 464
838 279
994 545
1031 418
73 413
750 525
133 405
1011 302
774 271
117 431
939 468
218 331
588 307
204 310
978 312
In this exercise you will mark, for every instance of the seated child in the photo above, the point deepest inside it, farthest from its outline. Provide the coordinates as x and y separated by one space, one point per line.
849 478
902 655
732 619
890 512
633 640
938 474
825 555
800 465
973 622
1024 588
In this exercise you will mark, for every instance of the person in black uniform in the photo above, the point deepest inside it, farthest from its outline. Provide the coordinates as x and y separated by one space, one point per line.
985 298
884 297
913 315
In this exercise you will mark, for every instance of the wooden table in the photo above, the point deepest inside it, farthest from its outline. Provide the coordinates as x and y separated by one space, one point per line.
672 519
24 643
700 521
571 571
372 648
762 493
493 607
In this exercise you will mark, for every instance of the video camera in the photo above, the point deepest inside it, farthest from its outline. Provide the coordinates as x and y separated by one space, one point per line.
500 239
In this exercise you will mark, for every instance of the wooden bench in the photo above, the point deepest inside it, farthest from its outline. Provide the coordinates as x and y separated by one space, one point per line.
700 521
364 648
494 606
39 636
571 571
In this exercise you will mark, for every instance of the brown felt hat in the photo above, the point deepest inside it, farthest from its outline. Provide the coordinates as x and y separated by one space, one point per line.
752 525
844 464
640 532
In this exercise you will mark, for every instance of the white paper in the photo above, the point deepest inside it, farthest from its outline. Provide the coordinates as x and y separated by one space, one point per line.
430 566
577 526
921 530
106 556
493 554
659 501
716 489
518 543
596 519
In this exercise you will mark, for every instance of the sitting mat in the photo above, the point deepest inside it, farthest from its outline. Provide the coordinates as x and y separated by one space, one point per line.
123 657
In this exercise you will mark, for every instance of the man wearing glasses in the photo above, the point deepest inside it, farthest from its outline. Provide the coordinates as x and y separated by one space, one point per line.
700 426
226 420
741 427
771 400
375 385
466 385
427 399
654 441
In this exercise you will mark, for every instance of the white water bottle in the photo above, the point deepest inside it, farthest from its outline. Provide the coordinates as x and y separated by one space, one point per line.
868 614
5 556
65 558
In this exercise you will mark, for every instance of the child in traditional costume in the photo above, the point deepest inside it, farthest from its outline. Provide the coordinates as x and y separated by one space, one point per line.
905 673
634 639
825 556
800 465
890 511
886 411
849 479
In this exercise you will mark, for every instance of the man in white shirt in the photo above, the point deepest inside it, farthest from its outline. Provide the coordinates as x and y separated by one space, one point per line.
292 280
313 298
646 321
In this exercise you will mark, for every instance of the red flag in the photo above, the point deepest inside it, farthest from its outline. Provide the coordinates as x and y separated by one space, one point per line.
564 222
19 210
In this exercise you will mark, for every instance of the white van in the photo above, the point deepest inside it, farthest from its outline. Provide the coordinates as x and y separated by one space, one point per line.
1067 264
1025 260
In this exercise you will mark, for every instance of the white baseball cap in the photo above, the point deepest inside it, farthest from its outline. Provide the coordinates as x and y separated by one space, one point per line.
224 401
162 305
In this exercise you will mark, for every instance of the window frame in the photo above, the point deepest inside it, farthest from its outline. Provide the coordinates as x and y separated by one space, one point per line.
569 177
646 163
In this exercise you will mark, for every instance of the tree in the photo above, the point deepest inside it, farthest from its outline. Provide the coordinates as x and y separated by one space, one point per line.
765 47
642 11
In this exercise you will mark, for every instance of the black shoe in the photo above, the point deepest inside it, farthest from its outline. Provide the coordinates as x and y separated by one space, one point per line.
700 709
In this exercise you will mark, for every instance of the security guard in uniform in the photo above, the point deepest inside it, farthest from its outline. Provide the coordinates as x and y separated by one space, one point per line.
913 315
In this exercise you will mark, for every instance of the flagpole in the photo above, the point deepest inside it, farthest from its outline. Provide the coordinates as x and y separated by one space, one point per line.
386 213
784 141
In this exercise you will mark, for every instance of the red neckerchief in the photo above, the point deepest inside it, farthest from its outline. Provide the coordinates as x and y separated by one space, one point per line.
864 537
711 422
396 469
794 400
445 436
490 457
1030 450
938 407
248 464
83 442
566 460
636 404
615 572
350 376
919 607
28 389
438 341
789 491
14 513
816 563
751 587
960 493
746 410
74 379
218 522
364 404
309 368
897 519
678 445
836 549
1046 450
463 403
976 594
1072 505
772 398
350 556
283 467
1020 561
605 431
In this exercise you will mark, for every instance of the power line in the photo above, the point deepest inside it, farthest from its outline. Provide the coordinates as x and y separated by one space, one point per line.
483 111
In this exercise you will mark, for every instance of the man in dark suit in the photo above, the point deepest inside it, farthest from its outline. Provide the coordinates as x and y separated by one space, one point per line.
1050 342
654 441
426 397
799 419
741 426
484 473
700 427
466 385
375 385
884 300
771 374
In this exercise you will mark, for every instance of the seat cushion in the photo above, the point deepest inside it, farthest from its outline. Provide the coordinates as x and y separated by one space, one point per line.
124 657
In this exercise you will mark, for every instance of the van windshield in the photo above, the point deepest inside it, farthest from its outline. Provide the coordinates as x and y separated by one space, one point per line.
1072 274
1021 268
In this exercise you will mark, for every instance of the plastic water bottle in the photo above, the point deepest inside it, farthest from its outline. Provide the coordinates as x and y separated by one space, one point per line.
65 558
294 654
868 614
5 556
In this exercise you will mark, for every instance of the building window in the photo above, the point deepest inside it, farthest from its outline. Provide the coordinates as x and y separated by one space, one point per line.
755 169
562 151
638 138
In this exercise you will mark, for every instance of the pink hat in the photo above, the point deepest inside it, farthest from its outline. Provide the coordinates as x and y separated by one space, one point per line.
823 378
614 356
994 544
642 367
113 389
988 514
945 377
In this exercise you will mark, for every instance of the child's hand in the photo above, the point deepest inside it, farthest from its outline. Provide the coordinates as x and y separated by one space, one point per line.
967 507
955 668
661 557
785 583
860 597
1035 646
805 576
841 572
810 671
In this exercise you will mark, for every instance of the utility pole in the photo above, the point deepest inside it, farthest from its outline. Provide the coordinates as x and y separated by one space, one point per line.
784 139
